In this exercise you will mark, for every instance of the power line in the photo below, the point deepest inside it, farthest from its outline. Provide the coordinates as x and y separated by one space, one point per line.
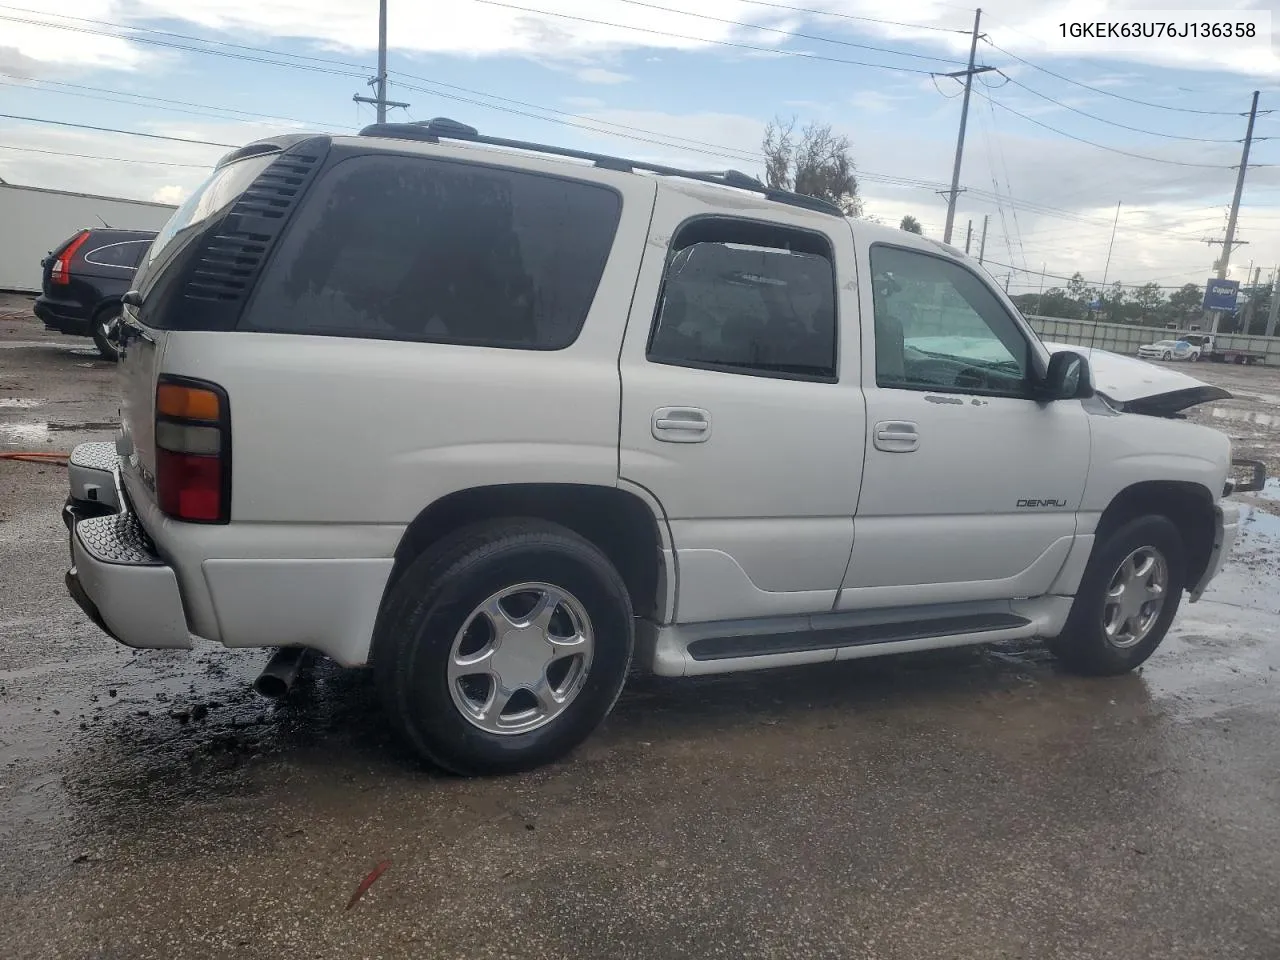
178 36
720 152
1008 186
1109 93
1114 123
157 103
92 156
178 46
128 133
1101 146
592 124
788 33
1058 276
720 148
720 43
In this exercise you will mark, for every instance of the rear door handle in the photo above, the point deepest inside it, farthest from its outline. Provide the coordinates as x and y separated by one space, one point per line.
681 425
896 436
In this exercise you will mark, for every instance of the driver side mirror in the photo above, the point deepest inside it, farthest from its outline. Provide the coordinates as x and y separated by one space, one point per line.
1068 377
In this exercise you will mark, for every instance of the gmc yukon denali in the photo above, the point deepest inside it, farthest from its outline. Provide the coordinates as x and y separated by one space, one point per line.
497 419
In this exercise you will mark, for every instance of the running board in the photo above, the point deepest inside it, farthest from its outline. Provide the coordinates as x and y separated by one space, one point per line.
724 648
691 649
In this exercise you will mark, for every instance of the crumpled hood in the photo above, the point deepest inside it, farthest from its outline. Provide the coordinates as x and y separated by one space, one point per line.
1136 386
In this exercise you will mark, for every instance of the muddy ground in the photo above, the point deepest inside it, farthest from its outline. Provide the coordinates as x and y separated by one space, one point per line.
966 804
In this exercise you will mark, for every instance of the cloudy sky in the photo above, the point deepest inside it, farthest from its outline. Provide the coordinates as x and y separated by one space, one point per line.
1059 134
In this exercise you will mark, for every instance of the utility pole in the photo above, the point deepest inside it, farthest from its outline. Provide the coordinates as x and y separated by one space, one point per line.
968 239
1275 305
1040 302
982 244
1230 240
968 75
379 83
1253 298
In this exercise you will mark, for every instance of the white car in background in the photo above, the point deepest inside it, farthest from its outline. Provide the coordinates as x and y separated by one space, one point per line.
1169 350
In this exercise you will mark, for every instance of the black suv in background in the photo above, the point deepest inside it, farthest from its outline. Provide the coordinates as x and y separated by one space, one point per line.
84 279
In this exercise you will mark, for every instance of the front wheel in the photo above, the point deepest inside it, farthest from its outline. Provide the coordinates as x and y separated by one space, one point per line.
1127 599
106 333
1166 355
503 648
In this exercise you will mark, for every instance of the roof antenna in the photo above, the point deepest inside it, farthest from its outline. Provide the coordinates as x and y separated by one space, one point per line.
104 223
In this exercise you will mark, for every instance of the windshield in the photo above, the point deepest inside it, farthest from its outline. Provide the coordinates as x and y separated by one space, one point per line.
210 199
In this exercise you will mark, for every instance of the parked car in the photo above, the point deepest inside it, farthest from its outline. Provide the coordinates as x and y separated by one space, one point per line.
84 279
498 421
1211 348
1169 350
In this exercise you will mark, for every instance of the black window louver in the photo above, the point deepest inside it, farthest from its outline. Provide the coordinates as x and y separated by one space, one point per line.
229 263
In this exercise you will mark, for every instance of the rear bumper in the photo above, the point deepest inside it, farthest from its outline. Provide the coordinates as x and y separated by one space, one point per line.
246 585
66 316
117 577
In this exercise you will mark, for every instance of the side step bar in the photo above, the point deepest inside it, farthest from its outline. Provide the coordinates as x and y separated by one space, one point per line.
693 649
723 648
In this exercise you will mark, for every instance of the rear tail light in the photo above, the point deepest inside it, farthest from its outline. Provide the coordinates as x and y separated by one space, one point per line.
61 272
193 450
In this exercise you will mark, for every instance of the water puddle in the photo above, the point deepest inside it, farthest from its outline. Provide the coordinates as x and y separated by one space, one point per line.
1271 490
24 433
1269 420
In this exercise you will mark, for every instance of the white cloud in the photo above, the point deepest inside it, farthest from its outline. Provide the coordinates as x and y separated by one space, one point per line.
876 101
599 75
170 193
1029 27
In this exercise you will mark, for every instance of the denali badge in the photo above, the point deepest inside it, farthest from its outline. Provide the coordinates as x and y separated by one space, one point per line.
1041 503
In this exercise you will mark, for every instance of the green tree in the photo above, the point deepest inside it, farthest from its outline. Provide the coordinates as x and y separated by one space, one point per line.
1114 302
1079 291
1148 299
1054 302
911 225
815 162
1185 303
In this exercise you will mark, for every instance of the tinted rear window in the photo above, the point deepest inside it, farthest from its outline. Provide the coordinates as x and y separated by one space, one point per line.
117 253
210 200
408 248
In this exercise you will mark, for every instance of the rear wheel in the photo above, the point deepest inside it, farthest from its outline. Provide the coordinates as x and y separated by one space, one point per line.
1127 599
106 332
504 647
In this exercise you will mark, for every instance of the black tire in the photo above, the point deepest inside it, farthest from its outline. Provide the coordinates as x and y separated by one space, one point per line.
104 321
432 601
1083 645
1166 356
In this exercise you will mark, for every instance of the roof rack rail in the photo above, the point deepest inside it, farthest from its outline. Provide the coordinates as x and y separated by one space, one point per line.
442 128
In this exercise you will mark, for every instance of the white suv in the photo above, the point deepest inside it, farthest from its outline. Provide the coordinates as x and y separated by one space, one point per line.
495 417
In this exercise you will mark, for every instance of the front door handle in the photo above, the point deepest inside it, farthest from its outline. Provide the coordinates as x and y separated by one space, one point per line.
896 436
681 425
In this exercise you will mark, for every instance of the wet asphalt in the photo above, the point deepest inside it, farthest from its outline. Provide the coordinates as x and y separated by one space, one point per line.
965 804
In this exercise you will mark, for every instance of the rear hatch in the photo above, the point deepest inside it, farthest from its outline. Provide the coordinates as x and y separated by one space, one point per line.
175 292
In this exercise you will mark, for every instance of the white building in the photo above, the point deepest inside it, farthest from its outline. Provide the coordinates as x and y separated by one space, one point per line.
33 221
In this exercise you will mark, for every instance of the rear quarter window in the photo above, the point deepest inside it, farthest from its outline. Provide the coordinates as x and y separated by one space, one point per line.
409 248
123 254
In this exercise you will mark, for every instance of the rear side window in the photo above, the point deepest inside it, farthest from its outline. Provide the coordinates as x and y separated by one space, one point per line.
408 248
122 253
748 299
210 200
